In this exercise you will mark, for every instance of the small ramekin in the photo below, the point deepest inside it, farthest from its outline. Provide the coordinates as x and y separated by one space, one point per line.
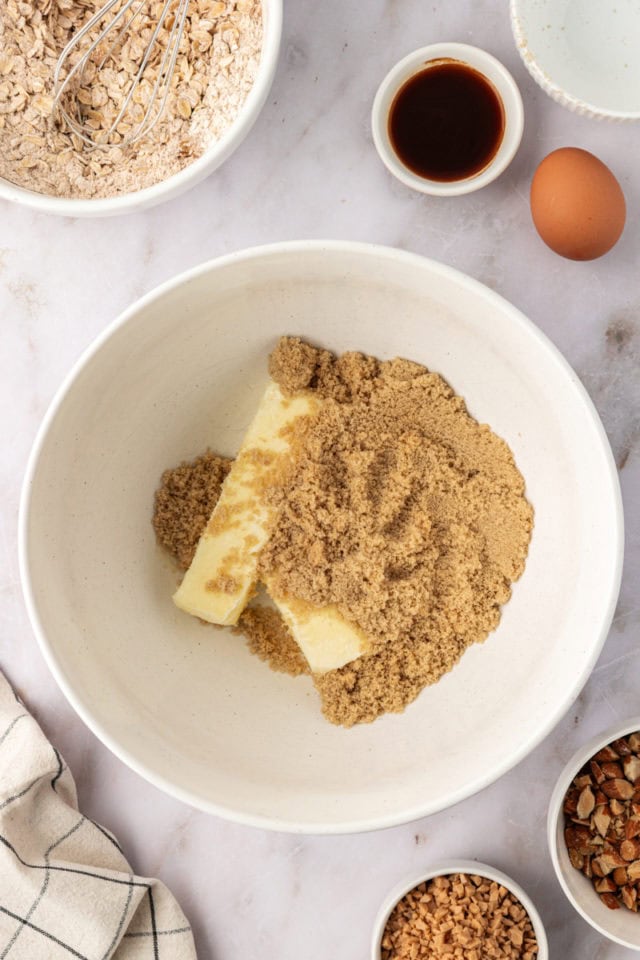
489 67
446 869
622 926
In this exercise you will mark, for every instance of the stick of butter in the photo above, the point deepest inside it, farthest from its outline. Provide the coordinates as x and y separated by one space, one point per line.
327 639
222 575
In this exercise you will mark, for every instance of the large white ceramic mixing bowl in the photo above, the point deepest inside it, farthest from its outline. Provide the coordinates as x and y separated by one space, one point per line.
187 706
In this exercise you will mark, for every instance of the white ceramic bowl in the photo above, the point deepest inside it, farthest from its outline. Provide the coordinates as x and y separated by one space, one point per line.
211 159
188 706
473 868
583 53
622 926
485 64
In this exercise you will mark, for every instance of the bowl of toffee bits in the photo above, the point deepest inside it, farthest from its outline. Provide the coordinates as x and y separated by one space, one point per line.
462 910
594 833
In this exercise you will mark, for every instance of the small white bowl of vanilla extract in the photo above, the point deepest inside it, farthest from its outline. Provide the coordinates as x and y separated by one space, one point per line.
447 119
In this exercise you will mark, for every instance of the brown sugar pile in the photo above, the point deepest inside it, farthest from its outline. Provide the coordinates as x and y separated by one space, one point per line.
270 639
399 508
183 504
184 501
404 512
459 917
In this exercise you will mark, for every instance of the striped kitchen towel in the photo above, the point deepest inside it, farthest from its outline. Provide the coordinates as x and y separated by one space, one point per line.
66 889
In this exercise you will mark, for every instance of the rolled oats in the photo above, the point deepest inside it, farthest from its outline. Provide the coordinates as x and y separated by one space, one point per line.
215 70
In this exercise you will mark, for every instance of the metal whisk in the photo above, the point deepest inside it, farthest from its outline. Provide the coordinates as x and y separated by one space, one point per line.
111 30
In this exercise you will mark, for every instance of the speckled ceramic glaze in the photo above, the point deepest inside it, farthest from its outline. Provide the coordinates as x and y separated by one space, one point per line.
583 53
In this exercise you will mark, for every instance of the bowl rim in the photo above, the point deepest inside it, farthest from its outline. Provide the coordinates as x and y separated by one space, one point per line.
213 157
469 867
577 760
507 90
553 89
84 711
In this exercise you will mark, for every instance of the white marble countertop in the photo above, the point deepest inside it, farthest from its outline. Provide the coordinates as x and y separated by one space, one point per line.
309 169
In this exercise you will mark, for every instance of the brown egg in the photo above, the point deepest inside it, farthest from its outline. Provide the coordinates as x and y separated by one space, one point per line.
577 204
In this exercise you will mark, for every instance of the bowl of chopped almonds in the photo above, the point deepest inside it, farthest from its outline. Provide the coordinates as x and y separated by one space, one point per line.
594 832
459 909
227 58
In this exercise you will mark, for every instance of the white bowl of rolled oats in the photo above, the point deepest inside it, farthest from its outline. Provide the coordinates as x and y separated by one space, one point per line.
462 909
228 57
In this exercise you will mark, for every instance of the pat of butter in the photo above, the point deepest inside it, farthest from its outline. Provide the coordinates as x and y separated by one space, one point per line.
222 575
327 639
